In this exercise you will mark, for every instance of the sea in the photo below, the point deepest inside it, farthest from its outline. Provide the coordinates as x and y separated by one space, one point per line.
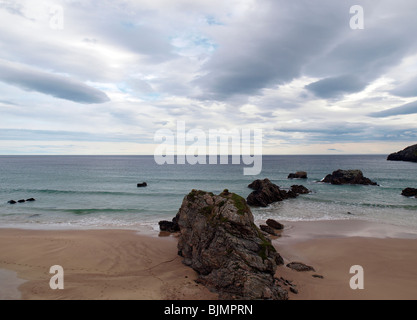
100 192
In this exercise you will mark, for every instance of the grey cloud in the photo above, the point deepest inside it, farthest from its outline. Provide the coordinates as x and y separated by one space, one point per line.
336 86
50 84
271 50
407 89
348 132
54 135
409 108
283 41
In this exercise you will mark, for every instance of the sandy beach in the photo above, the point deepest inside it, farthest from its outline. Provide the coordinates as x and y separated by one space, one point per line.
122 264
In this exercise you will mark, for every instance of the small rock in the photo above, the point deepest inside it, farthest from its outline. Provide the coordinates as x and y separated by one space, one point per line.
293 290
268 229
12 202
22 201
299 190
318 276
170 226
142 185
298 175
300 267
274 224
340 177
409 192
31 200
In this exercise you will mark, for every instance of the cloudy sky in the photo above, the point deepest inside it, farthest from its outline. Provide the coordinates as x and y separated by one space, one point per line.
101 77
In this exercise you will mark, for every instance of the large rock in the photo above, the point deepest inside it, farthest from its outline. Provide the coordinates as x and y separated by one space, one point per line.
409 192
348 177
267 192
220 241
408 154
169 226
298 175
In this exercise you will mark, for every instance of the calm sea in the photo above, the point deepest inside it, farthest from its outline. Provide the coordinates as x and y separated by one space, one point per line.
101 191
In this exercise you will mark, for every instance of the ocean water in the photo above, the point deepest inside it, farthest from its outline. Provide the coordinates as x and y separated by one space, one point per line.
101 192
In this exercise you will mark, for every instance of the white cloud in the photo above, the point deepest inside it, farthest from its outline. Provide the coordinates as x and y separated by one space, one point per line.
125 69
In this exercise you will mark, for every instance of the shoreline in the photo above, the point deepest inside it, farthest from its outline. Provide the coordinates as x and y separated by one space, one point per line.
144 265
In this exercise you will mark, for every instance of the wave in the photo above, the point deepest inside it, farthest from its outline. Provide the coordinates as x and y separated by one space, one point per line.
361 204
99 193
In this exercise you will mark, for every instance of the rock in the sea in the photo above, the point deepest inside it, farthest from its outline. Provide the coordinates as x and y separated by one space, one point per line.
268 229
408 154
265 193
348 177
409 192
31 200
142 185
12 202
299 190
298 175
220 241
22 201
170 226
274 224
301 267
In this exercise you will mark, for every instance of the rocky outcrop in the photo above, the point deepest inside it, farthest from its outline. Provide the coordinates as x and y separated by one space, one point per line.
142 185
21 201
348 177
220 241
409 192
408 154
267 192
298 175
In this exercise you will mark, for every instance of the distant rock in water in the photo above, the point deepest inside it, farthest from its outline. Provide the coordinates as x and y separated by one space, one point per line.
11 202
298 175
267 192
348 177
142 185
22 201
299 190
31 200
221 242
408 154
409 192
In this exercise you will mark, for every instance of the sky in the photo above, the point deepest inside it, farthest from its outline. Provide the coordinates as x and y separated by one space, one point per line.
102 77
